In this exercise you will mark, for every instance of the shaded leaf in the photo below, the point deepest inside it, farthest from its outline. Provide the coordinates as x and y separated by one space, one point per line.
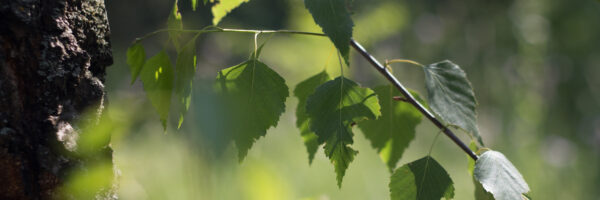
157 77
302 91
332 109
395 129
135 59
223 7
209 118
333 17
175 23
185 68
480 193
421 179
499 176
450 96
253 96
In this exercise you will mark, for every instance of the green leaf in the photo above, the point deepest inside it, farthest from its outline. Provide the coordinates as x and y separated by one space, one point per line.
302 91
254 98
174 22
395 129
451 96
185 68
421 179
195 4
223 7
480 193
499 176
135 59
471 165
157 77
334 19
332 110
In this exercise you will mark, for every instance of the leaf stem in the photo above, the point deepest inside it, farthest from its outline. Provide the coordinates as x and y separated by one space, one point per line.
433 143
387 62
214 29
411 99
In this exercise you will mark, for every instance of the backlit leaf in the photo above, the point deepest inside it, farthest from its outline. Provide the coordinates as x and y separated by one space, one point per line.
185 68
302 91
423 179
499 176
253 96
135 59
334 19
223 7
332 110
175 23
395 129
451 96
194 4
157 77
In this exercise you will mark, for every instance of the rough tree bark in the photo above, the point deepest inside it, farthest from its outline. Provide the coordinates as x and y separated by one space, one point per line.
53 56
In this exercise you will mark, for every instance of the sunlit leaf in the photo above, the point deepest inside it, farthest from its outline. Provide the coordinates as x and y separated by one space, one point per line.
253 96
195 4
174 23
499 176
185 68
332 110
423 179
157 77
480 193
334 19
451 96
223 7
135 59
302 91
395 129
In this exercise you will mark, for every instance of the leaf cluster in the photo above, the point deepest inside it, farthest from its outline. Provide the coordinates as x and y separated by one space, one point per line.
251 97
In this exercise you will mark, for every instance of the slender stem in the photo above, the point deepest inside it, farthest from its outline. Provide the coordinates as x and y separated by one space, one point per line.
411 99
433 143
217 29
387 62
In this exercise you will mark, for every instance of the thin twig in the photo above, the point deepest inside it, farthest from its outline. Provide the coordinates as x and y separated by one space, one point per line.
399 98
214 29
411 99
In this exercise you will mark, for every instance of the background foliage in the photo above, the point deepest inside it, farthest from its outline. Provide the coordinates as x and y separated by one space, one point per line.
533 66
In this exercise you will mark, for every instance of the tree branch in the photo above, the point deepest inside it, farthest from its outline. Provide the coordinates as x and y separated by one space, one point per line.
410 99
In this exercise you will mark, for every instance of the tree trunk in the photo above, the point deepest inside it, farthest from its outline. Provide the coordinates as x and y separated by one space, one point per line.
53 56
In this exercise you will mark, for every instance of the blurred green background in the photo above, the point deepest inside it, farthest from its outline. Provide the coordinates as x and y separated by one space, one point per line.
534 66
